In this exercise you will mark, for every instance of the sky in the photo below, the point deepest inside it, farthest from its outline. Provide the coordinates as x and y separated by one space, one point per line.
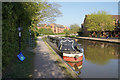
74 12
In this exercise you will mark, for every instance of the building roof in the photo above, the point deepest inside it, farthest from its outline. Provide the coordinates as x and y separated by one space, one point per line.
41 25
59 25
116 16
56 25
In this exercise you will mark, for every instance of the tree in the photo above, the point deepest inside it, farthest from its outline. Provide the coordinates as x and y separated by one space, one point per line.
100 21
45 31
74 28
48 12
66 31
24 14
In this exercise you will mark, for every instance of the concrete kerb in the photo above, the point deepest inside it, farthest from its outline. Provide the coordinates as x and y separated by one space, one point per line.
70 70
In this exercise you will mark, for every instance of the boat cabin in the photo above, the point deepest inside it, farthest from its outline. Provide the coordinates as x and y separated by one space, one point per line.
66 44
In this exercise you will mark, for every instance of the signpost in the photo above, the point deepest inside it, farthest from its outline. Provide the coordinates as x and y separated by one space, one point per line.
20 55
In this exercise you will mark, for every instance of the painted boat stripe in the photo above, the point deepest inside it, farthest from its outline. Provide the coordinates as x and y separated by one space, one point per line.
72 55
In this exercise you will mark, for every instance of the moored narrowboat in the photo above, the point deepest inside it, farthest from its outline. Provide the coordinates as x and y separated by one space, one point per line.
72 52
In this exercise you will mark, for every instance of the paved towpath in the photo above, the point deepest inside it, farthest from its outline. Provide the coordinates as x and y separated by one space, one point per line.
44 66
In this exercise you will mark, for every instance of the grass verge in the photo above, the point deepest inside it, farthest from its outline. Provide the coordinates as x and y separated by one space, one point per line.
21 69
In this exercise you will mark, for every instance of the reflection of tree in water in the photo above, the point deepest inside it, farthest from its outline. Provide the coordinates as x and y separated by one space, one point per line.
99 55
99 52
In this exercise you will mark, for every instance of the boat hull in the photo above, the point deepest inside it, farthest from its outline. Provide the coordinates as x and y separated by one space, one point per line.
73 64
76 66
72 57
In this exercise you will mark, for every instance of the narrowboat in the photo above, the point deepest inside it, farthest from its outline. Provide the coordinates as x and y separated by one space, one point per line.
71 51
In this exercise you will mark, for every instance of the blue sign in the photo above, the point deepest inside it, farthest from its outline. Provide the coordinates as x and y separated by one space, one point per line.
21 56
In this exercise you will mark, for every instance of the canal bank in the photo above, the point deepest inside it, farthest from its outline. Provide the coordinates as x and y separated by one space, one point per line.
100 59
60 62
100 39
47 65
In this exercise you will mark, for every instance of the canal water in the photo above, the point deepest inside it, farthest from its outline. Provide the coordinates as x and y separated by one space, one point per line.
100 60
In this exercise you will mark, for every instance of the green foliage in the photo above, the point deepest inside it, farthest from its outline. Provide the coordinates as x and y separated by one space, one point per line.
65 30
59 33
11 16
48 12
27 15
72 36
45 31
99 21
21 69
67 33
74 28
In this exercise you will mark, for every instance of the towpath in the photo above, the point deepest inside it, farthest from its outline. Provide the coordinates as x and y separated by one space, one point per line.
101 39
44 63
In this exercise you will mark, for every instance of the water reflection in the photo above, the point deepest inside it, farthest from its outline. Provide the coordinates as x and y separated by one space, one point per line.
99 53
76 66
100 60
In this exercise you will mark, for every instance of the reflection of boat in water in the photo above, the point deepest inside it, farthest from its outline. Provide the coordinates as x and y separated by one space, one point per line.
76 66
72 52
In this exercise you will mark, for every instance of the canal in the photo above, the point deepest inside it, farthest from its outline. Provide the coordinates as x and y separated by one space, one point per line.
100 60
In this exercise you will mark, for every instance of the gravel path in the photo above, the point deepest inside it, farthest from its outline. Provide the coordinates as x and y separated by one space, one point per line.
44 66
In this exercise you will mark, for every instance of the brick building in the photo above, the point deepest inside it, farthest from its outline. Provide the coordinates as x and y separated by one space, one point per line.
116 21
56 28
